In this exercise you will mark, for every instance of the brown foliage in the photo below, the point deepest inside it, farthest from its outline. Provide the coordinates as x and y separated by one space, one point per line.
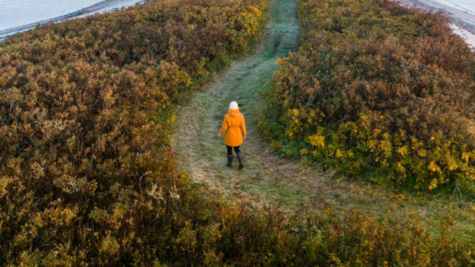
84 123
378 91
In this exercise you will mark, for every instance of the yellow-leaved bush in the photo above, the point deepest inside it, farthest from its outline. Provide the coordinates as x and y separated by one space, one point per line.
377 90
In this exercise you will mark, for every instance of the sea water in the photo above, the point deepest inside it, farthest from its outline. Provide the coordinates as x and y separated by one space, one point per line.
15 13
465 5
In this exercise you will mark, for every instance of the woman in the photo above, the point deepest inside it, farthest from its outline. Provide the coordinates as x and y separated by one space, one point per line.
235 129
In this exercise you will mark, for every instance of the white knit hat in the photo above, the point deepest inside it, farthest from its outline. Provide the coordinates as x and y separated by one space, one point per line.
233 105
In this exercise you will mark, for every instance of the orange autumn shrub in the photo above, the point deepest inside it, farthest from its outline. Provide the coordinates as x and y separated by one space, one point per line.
85 165
377 90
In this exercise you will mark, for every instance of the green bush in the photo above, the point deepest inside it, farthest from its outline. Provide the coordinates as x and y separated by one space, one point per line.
377 90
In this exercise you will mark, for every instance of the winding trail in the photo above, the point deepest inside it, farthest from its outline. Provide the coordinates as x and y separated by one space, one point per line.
203 154
268 178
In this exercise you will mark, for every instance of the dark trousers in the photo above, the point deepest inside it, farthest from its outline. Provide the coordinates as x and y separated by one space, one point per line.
230 150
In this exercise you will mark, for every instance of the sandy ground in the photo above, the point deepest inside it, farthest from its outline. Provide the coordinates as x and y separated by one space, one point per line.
463 21
103 6
467 35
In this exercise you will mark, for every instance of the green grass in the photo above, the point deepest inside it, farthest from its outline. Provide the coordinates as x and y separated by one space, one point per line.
268 178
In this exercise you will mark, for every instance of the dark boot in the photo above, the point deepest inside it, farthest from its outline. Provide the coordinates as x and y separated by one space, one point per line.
230 161
241 160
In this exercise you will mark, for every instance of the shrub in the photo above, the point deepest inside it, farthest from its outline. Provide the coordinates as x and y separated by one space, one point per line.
85 165
377 90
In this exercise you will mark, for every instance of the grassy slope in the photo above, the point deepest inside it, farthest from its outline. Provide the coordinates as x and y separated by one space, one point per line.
269 178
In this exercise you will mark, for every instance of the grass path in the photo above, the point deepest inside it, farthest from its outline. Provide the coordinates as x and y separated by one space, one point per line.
268 178
200 150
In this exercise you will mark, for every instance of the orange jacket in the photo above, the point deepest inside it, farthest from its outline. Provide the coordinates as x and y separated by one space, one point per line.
235 128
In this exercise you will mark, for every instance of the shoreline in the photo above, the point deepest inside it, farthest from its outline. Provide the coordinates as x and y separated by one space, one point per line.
103 6
463 21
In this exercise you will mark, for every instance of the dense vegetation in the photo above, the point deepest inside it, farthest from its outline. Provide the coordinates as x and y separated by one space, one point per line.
87 176
86 173
380 91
